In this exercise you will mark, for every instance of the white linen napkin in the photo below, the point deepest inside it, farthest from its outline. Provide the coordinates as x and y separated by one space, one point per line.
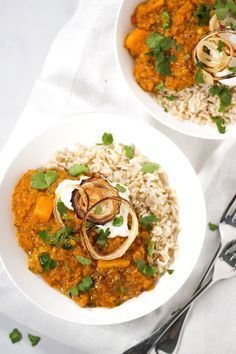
79 76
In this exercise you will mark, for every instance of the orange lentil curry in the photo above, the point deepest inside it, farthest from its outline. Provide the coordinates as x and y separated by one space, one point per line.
58 254
173 19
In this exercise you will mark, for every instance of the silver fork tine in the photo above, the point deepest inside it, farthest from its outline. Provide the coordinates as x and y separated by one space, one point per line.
230 211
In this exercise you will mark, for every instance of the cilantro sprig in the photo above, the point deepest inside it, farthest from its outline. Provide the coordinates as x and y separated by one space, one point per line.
146 269
47 262
43 180
102 236
146 222
220 124
224 95
160 46
84 286
15 336
202 14
223 8
76 170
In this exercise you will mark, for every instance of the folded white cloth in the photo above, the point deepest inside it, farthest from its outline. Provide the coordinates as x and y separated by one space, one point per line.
79 76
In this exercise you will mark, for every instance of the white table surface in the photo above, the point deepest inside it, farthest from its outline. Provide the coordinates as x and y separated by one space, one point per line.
27 28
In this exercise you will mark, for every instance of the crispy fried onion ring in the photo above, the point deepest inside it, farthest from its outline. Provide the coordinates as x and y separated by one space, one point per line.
120 251
85 195
214 61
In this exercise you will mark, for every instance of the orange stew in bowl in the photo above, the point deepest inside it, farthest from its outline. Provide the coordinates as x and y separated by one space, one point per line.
58 254
163 41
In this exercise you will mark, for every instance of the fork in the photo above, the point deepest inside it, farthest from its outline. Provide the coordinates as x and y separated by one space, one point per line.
223 267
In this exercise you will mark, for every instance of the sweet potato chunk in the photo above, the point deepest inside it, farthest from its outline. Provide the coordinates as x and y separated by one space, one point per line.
136 42
118 263
43 209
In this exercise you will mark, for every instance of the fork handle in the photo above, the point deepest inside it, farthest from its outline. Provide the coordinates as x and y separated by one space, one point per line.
169 339
144 346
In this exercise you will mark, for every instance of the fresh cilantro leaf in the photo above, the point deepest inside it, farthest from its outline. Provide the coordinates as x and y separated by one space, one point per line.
76 170
221 9
160 86
33 339
199 76
171 97
98 210
224 94
203 14
45 236
83 260
165 19
46 262
200 65
187 56
150 247
120 188
220 46
129 151
73 291
146 222
91 305
124 290
165 109
220 123
102 236
150 167
170 271
212 227
15 336
153 40
62 208
179 48
166 43
232 69
43 180
118 221
85 284
62 237
145 268
163 67
107 139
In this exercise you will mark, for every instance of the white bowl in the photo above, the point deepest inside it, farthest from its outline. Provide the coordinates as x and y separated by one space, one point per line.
87 130
126 64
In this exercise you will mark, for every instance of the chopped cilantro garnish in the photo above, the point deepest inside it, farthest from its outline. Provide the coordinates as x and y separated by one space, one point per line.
158 46
224 94
232 69
124 290
144 268
179 48
220 123
102 236
212 227
150 167
203 14
43 180
98 210
107 139
76 170
199 76
200 65
160 86
165 109
83 260
15 335
171 97
146 222
220 46
120 188
129 151
165 19
187 56
62 208
223 8
45 236
73 291
46 262
33 339
118 221
170 271
150 247
85 284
